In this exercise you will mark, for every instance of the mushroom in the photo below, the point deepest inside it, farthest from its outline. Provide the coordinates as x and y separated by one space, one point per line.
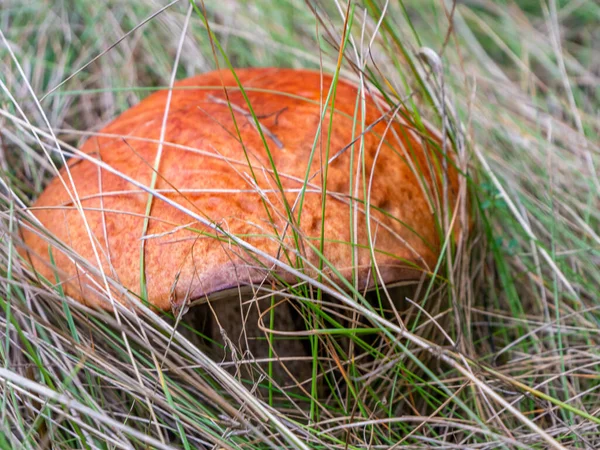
246 161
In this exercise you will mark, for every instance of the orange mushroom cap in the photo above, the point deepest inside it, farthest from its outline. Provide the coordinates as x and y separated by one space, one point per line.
220 168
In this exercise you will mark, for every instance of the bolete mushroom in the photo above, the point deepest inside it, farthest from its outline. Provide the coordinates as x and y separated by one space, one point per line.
256 163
